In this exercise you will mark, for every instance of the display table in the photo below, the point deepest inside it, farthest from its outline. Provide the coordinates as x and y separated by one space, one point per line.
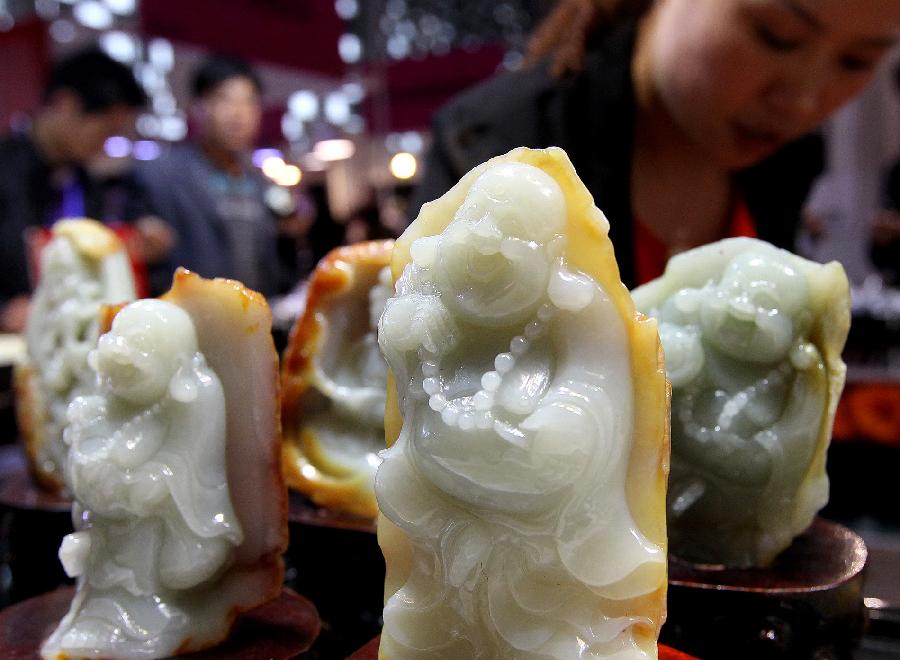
809 603
280 629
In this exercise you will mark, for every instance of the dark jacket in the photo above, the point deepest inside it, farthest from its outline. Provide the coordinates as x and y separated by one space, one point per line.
175 187
885 256
591 115
27 198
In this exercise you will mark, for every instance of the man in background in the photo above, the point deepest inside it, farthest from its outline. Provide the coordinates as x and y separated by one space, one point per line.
884 243
208 190
88 98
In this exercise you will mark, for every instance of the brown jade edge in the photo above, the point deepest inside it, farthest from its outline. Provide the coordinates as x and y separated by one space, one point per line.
327 280
334 275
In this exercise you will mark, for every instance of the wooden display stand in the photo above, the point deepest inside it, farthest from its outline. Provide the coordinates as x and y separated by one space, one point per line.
32 525
280 629
808 604
334 560
302 511
370 652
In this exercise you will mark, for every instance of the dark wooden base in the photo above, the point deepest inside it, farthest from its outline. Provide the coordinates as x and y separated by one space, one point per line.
32 525
808 604
334 560
370 652
304 511
19 491
283 628
367 652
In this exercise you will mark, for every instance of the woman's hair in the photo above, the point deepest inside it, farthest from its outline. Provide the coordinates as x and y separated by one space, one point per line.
564 33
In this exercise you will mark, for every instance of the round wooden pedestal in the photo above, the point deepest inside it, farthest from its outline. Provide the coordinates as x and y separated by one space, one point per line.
280 629
32 525
302 511
808 604
370 652
334 560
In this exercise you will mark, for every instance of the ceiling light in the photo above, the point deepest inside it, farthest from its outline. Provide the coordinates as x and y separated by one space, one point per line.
331 150
346 9
410 141
172 128
119 46
403 165
289 175
62 31
291 127
349 48
121 7
93 14
146 150
260 155
272 166
354 92
303 105
337 108
161 53
117 146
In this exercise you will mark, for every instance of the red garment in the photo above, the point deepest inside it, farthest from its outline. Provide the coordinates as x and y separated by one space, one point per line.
651 254
36 240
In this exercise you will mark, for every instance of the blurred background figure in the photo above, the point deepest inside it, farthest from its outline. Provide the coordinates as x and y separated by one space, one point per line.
884 248
88 98
885 244
222 211
368 223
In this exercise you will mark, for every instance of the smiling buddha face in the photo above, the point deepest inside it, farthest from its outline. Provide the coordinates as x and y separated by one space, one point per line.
754 375
138 357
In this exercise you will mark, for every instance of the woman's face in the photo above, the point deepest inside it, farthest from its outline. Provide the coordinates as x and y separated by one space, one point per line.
742 77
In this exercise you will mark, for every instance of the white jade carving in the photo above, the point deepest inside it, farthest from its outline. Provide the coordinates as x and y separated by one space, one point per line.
147 467
752 336
83 267
180 510
510 530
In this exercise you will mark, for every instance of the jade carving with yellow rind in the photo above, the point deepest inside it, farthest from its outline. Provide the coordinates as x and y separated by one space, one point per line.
333 377
522 496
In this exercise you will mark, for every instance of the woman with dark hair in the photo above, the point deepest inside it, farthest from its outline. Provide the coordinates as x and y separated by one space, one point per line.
688 120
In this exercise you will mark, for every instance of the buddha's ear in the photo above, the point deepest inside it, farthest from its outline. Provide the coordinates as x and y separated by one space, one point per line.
183 384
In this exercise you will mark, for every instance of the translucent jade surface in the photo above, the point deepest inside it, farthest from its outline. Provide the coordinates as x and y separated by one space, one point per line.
523 498
180 510
753 337
83 267
333 379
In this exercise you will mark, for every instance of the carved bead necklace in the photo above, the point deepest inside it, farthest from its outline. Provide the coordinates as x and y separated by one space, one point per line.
477 411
